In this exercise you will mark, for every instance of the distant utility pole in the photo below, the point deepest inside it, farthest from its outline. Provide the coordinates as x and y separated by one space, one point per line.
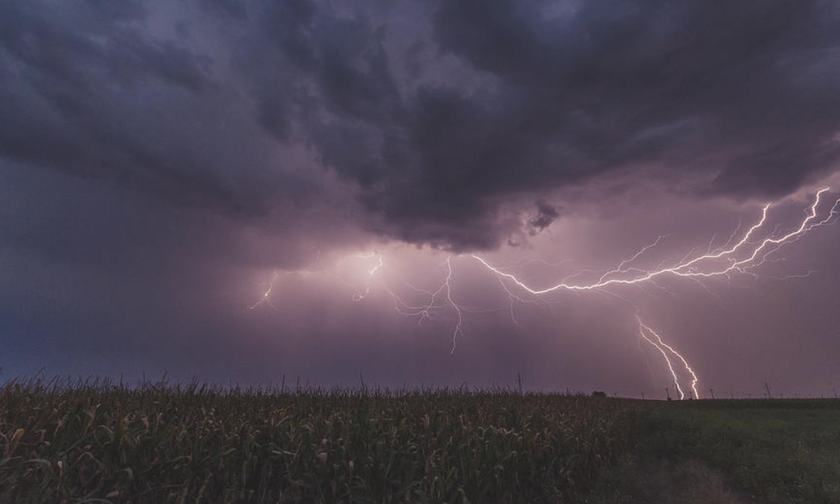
519 381
667 393
643 396
712 391
768 390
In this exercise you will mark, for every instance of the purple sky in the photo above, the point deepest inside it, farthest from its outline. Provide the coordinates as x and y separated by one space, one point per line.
162 164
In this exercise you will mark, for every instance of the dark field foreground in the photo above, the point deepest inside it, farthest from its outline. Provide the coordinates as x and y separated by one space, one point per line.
159 443
98 443
769 451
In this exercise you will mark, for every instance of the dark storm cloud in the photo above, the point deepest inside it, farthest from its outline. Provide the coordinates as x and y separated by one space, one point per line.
546 214
737 97
161 161
233 8
91 92
653 82
435 117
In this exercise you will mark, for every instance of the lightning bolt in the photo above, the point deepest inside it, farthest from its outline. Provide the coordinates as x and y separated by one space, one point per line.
702 266
736 256
690 268
426 311
459 325
266 297
652 337
438 300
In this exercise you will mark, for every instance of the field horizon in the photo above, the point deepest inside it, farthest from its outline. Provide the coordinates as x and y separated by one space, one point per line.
100 441
517 384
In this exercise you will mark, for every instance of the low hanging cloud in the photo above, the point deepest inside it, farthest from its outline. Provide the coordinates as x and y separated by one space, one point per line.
429 119
546 214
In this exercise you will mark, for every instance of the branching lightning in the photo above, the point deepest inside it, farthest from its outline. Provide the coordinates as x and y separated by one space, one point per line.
755 256
460 323
437 300
266 297
645 332
736 256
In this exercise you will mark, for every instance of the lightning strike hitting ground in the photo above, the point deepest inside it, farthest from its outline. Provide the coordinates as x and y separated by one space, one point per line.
741 257
661 346
754 254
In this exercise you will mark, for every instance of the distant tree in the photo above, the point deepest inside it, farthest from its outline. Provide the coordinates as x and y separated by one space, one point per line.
598 393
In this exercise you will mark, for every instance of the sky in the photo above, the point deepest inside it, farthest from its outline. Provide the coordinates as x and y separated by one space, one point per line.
326 192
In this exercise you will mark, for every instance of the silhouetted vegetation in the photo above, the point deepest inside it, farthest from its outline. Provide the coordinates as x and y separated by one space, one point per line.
96 441
194 443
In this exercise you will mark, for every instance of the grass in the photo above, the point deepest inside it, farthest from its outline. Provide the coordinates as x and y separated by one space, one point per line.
100 442
767 450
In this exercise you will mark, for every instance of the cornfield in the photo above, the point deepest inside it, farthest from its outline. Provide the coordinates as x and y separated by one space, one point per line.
97 441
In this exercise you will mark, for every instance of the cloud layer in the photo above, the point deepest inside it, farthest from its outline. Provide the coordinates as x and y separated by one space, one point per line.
433 118
159 159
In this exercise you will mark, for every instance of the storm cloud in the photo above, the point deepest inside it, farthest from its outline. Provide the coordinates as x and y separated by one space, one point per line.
435 116
205 141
